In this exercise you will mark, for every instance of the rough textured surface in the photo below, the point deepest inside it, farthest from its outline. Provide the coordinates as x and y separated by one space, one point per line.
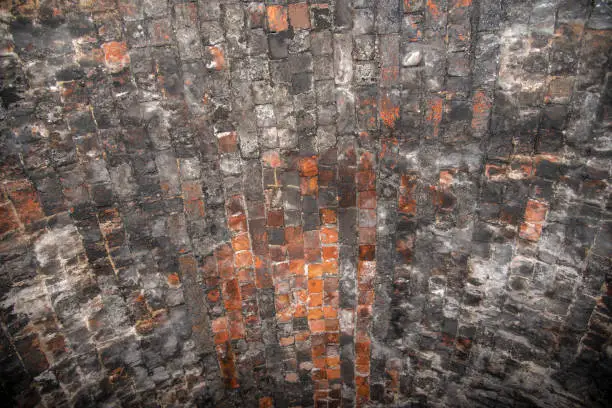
334 203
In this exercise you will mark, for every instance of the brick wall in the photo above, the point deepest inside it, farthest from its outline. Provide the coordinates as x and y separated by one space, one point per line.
289 203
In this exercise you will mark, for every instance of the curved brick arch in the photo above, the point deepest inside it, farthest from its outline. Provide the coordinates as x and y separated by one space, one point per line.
305 203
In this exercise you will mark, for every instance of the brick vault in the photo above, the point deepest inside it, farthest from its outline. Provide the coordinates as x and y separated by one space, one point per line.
290 203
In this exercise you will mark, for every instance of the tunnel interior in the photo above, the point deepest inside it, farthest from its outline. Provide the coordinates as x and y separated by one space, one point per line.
290 203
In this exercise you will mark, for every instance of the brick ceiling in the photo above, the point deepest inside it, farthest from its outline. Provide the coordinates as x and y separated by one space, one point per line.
356 203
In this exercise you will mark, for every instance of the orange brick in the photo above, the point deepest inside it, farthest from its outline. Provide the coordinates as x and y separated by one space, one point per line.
309 185
277 18
328 216
317 326
237 330
221 337
213 296
315 299
535 211
330 253
300 296
362 352
296 266
174 280
308 167
319 363
332 361
238 223
286 341
300 311
332 325
332 338
25 201
315 270
315 286
298 15
219 324
530 232
330 312
244 259
285 316
333 373
446 179
302 336
315 314
366 270
241 242
271 158
367 252
266 402
115 55
329 235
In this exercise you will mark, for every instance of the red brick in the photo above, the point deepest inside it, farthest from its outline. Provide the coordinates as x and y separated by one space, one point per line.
266 402
530 232
241 242
367 252
243 259
329 235
389 111
366 180
219 324
535 211
327 177
308 167
25 200
330 253
315 286
228 142
309 185
311 239
367 199
238 223
276 218
278 253
218 57
317 326
277 18
271 158
115 55
315 299
296 267
367 235
481 106
298 15
328 216
315 270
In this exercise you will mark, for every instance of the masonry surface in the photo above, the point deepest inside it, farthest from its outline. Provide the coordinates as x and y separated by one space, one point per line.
349 203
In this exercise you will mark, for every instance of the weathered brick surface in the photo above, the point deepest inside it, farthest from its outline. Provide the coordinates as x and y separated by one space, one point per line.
305 203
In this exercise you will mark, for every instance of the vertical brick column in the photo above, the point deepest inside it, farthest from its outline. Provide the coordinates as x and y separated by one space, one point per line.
366 274
347 259
229 299
329 250
309 187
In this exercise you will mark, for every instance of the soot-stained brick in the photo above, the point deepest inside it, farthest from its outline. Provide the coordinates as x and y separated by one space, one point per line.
292 203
